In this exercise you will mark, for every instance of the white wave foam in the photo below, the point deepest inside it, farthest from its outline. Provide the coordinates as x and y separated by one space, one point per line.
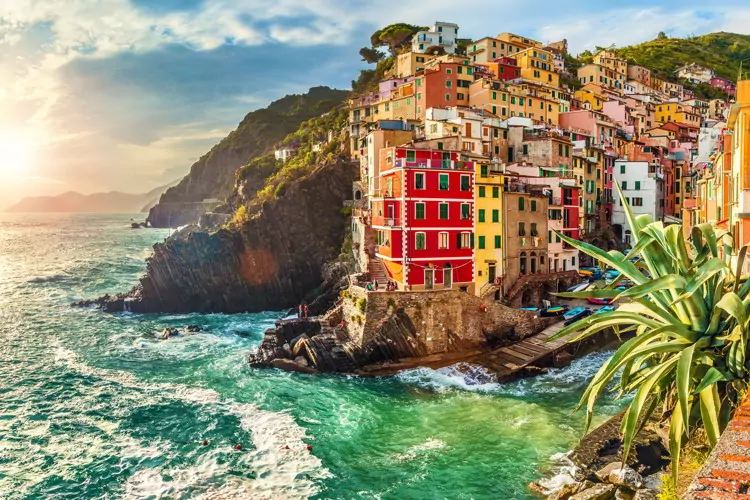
421 449
563 472
279 459
462 376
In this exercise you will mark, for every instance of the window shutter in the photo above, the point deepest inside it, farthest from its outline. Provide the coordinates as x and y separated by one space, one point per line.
471 240
458 240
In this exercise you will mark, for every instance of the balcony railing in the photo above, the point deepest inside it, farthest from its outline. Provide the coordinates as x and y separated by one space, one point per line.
437 164
555 202
379 220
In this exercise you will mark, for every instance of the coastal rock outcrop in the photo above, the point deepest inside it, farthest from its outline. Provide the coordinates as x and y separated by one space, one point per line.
274 260
367 331
211 178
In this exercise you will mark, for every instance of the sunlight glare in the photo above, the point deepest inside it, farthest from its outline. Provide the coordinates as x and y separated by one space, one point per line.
15 154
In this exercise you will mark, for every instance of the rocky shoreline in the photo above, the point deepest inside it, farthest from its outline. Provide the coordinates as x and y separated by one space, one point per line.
595 470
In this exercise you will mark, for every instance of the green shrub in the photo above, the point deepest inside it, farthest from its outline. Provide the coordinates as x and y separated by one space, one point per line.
241 216
280 189
362 305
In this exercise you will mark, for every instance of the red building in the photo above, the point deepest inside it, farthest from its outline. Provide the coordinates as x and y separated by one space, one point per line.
727 86
571 212
423 218
445 85
507 69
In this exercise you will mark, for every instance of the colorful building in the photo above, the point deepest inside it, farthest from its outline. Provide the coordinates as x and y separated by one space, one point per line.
538 65
423 218
441 34
488 223
444 85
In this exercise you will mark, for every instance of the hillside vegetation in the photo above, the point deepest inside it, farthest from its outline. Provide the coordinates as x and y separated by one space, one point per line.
720 51
213 175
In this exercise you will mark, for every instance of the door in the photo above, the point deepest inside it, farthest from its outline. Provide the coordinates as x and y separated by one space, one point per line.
429 279
447 277
492 273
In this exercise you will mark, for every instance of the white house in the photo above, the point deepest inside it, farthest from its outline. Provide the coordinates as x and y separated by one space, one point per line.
695 73
441 34
455 122
284 154
642 184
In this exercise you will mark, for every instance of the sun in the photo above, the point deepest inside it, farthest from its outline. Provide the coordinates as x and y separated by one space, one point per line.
15 154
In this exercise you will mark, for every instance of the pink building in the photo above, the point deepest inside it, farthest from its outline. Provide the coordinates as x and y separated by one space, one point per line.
621 114
727 86
594 123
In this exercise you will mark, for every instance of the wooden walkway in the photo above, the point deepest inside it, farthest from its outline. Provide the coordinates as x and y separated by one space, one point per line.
507 361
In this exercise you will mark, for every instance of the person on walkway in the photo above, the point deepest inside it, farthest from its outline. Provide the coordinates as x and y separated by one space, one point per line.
369 287
304 310
375 284
299 311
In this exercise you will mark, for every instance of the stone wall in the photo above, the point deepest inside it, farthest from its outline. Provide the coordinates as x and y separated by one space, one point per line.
444 320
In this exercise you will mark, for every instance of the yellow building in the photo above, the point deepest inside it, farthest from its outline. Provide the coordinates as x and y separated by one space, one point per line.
519 40
538 65
488 221
601 75
676 112
409 63
490 95
609 59
488 49
739 125
591 95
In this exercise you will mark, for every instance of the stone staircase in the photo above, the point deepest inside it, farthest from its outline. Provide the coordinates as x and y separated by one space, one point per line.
376 271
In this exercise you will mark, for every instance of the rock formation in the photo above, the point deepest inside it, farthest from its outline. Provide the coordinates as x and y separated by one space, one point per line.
274 260
211 178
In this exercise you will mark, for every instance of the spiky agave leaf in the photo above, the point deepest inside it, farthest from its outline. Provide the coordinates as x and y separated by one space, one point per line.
690 311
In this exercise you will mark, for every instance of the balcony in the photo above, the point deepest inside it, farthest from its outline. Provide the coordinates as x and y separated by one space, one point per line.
555 202
379 220
437 164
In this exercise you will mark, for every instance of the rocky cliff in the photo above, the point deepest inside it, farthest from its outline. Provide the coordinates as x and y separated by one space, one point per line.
273 260
212 177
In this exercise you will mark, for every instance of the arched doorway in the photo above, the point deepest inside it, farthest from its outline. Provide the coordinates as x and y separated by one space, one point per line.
532 260
522 262
448 276
526 297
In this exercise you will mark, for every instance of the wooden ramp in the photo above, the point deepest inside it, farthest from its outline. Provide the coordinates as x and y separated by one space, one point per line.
506 361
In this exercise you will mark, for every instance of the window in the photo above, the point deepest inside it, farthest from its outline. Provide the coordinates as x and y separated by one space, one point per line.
443 241
419 212
521 229
494 96
465 211
419 180
557 238
448 84
497 241
481 215
496 216
624 185
533 205
447 97
549 236
440 145
460 96
525 149
482 191
443 182
521 202
573 261
483 171
420 241
637 185
480 243
464 240
534 232
465 183
411 156
449 71
443 211
495 192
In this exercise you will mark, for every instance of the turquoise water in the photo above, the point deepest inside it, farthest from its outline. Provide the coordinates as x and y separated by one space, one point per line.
92 406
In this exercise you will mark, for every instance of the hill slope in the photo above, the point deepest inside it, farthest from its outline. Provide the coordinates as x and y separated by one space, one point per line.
720 51
213 175
112 202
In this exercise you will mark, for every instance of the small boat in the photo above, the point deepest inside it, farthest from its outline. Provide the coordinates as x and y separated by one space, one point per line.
605 309
554 311
575 314
584 272
530 309
600 302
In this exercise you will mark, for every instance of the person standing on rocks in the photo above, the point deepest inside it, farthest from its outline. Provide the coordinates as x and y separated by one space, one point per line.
300 311
304 310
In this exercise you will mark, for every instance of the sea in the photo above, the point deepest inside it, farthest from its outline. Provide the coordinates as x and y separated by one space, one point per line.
93 406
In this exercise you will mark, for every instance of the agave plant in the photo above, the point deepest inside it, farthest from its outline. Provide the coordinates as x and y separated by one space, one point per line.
689 312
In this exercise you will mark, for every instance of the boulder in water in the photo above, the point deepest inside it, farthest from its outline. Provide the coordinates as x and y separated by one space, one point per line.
167 332
244 335
193 329
596 492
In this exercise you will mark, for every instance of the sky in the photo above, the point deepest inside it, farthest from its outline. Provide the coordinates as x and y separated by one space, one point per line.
102 95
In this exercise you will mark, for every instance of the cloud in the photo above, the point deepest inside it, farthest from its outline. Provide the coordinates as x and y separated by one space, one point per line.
118 94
